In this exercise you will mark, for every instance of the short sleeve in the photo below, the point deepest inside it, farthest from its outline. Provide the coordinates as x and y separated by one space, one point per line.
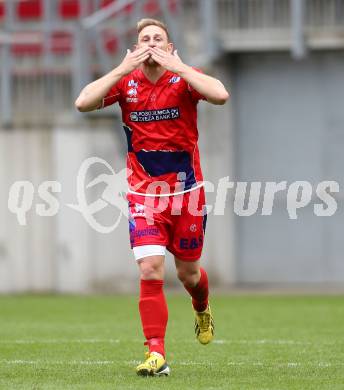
196 96
112 96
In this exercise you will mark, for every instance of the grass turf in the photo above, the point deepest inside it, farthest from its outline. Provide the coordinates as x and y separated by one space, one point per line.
95 342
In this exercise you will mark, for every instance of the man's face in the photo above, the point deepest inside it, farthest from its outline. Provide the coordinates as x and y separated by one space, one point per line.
154 36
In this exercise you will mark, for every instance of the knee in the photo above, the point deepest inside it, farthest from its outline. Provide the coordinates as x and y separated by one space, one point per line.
189 279
151 272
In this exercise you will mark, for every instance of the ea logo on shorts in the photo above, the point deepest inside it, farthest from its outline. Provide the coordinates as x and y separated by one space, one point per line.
193 227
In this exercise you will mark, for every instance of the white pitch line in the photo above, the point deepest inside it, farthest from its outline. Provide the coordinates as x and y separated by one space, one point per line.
263 341
59 362
116 341
60 341
180 363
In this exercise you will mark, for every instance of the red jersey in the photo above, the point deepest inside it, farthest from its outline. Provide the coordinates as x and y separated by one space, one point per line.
160 122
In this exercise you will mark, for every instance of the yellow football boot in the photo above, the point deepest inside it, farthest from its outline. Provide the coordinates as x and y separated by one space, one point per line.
154 365
204 326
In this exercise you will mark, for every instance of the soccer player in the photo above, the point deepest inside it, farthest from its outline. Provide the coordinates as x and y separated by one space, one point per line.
158 95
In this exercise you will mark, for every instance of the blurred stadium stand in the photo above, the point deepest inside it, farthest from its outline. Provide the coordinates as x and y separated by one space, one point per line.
282 60
72 41
64 42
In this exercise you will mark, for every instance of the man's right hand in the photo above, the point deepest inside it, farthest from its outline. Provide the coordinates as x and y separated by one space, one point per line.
92 95
134 59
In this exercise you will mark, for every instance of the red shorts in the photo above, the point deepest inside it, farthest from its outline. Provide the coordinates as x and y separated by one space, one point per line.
177 222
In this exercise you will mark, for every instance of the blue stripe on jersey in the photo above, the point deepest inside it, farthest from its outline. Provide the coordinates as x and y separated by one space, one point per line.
157 163
204 222
129 133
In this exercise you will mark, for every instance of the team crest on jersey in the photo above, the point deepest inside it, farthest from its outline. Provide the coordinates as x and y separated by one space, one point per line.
174 80
132 94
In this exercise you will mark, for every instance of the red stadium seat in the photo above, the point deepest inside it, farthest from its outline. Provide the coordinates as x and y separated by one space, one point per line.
173 5
2 10
61 42
69 9
110 41
27 49
30 9
151 7
104 3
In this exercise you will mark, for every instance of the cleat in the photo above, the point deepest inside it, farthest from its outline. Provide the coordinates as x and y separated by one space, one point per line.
154 365
204 326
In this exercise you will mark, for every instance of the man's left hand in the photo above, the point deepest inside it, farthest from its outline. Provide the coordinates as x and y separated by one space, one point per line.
171 62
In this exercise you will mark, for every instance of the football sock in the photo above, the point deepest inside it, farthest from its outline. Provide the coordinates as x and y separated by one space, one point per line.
154 314
200 292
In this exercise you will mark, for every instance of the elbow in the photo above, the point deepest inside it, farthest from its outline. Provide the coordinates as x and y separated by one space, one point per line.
222 98
82 106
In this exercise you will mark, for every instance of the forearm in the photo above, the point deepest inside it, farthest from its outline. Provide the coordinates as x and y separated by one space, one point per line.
212 89
92 95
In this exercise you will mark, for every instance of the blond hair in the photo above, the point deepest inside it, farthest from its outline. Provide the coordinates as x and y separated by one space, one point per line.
152 22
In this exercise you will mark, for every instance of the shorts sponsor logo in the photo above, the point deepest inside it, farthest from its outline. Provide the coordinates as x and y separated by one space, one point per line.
193 227
191 243
155 115
138 233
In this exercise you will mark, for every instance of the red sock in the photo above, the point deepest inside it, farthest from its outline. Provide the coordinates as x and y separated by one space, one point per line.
154 314
200 292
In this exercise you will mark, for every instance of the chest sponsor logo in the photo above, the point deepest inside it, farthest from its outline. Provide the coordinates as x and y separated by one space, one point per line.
155 115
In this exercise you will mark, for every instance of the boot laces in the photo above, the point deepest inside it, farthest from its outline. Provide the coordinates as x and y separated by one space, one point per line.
204 322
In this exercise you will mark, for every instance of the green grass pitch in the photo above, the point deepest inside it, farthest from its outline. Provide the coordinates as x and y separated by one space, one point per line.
262 342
